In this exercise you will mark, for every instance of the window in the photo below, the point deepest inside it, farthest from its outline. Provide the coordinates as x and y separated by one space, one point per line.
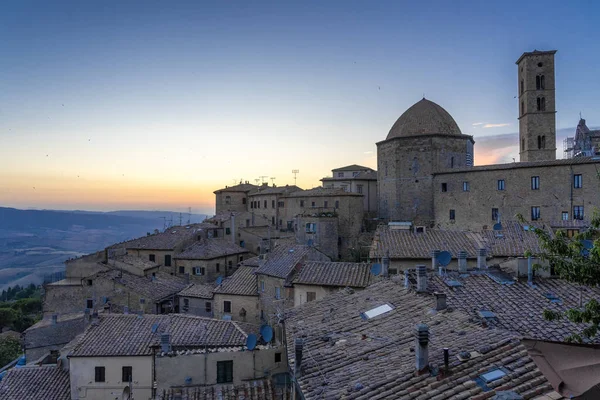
251 204
452 215
199 271
217 267
359 189
500 184
247 223
541 104
89 282
182 270
277 357
444 187
230 263
127 374
208 307
522 144
577 181
578 212
224 371
354 174
537 83
280 204
565 215
522 86
494 214
535 213
540 82
325 204
99 374
278 293
89 304
272 204
258 204
272 220
337 204
301 203
152 257
541 142
466 186
244 200
265 203
242 243
241 258
262 286
451 162
572 232
228 231
311 296
386 168
345 188
340 174
227 199
167 260
311 227
535 182
227 306
186 304
312 204
393 271
522 108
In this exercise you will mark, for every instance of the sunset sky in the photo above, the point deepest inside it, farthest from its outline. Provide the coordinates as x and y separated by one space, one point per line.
154 105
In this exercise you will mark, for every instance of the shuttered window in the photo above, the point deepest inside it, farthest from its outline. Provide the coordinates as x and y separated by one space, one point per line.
224 371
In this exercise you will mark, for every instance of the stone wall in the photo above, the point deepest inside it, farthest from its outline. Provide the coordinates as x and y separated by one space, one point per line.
196 306
231 201
325 237
249 303
85 266
222 266
300 292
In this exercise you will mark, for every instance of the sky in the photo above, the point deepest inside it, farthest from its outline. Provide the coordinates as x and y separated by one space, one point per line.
154 105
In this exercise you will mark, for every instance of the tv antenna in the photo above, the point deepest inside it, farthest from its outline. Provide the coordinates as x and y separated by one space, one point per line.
189 215
262 178
295 172
257 180
272 180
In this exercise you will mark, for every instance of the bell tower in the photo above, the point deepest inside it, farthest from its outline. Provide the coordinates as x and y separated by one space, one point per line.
537 106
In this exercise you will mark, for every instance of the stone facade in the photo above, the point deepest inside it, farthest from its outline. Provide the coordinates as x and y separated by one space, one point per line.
320 231
356 179
537 108
213 268
85 266
196 306
265 202
234 198
479 207
301 292
243 308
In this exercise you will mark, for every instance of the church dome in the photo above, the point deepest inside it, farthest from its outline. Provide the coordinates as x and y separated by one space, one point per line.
424 118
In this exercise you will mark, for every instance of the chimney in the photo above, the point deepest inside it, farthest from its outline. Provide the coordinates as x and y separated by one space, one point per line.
529 271
54 319
440 301
233 238
434 260
298 347
165 342
446 360
406 281
481 255
422 348
385 264
421 278
462 262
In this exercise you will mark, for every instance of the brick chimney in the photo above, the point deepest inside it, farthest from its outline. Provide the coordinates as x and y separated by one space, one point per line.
422 348
462 262
481 258
421 278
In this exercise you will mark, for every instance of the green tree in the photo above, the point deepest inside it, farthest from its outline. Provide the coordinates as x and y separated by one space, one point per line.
577 260
10 349
7 317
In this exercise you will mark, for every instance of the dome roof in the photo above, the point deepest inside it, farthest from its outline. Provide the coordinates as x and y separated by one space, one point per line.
424 118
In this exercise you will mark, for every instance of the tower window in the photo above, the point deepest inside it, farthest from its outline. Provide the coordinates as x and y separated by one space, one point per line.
540 65
444 187
500 184
522 144
522 86
535 182
577 181
451 162
543 141
542 82
541 104
539 142
535 213
452 215
522 108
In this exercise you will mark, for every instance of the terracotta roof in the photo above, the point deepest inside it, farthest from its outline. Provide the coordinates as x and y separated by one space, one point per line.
424 118
522 164
259 389
334 274
264 232
275 190
283 259
137 262
346 356
353 167
251 262
36 383
363 175
242 187
45 333
132 335
511 241
153 288
210 248
198 290
322 192
517 306
242 282
167 240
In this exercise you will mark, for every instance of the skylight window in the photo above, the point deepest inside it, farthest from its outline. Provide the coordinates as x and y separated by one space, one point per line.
487 314
374 312
493 375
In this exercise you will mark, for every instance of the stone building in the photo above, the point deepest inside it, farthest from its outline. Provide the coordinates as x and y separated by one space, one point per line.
236 298
52 333
264 201
585 143
233 198
426 176
356 179
197 299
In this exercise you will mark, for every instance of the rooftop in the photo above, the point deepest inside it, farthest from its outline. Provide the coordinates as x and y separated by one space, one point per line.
209 248
36 383
275 190
198 290
322 192
353 167
363 175
241 187
535 53
259 389
346 356
242 283
424 118
46 333
133 335
141 263
522 164
168 240
282 260
342 274
152 287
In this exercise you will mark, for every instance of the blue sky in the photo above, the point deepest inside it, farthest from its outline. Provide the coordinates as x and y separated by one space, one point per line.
106 105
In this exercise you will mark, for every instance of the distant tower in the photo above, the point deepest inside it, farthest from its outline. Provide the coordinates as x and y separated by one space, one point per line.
537 106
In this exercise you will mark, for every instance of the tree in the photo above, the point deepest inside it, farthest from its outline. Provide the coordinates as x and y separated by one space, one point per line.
10 348
577 260
7 317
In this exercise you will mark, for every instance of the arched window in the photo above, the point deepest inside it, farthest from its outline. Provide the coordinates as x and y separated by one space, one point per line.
451 162
539 142
538 84
543 141
542 82
543 104
522 144
522 86
522 108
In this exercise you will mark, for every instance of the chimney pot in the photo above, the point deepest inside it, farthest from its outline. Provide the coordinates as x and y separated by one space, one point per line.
422 349
462 262
481 258
434 259
440 301
298 349
421 278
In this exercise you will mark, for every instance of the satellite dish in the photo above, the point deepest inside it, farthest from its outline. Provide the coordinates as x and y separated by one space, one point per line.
587 246
376 269
444 258
266 332
251 342
497 227
219 280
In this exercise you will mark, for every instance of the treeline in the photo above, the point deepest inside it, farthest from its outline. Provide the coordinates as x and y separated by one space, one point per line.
20 307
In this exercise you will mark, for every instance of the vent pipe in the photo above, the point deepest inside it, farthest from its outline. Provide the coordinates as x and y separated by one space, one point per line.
462 262
385 265
481 258
421 278
298 349
529 271
434 259
422 348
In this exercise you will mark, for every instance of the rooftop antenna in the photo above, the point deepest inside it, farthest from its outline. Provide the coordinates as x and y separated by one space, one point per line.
272 180
262 178
189 215
164 222
295 172
179 219
257 180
